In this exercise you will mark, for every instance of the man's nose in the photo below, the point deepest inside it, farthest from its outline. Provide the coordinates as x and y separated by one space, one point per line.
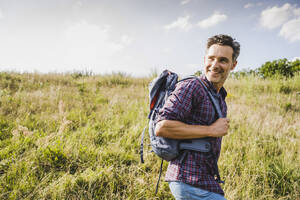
214 63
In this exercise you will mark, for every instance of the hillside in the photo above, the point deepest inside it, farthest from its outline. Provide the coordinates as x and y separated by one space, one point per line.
77 136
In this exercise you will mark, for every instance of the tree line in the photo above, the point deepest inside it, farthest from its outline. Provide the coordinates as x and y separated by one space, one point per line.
281 68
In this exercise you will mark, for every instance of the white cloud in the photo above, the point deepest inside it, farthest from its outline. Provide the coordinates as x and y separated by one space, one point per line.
249 5
291 30
183 2
181 23
213 20
166 50
276 16
126 40
296 11
90 44
1 14
79 3
77 6
286 17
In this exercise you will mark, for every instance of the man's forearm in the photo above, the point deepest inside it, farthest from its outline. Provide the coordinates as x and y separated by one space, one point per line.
179 130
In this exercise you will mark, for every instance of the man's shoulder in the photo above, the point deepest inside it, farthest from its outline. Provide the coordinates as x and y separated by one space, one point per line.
190 83
190 80
190 88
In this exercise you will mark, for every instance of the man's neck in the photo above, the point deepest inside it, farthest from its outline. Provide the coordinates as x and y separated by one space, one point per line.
217 86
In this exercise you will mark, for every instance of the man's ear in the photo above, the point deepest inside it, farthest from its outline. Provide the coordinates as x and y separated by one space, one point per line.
234 65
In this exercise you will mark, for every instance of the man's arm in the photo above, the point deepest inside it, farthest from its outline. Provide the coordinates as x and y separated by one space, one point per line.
179 130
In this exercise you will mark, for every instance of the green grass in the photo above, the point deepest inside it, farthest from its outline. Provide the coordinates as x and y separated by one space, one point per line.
77 136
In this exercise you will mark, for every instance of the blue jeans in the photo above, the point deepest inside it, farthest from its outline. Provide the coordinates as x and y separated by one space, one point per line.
183 191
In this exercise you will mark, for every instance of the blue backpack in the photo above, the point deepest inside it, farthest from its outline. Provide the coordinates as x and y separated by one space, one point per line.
168 149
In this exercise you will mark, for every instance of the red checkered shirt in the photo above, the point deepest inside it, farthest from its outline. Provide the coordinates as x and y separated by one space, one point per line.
190 103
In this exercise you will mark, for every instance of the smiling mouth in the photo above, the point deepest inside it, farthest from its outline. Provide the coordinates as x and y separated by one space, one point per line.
214 72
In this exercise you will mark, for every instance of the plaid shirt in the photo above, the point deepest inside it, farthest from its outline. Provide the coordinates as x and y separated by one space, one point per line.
190 103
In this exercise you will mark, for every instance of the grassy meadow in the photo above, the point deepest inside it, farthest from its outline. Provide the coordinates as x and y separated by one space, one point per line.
77 136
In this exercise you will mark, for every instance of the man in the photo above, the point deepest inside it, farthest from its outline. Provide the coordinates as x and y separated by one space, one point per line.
189 113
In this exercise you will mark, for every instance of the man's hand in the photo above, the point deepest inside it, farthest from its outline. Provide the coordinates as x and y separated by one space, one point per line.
220 127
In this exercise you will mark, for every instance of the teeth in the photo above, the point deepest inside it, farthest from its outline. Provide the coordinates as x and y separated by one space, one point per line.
214 71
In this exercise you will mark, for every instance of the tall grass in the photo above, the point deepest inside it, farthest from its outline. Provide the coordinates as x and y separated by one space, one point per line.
77 137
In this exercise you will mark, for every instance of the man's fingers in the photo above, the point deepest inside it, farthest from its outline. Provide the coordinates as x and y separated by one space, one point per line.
225 119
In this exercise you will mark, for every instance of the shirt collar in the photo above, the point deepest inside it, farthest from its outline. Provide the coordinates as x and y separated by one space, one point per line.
222 92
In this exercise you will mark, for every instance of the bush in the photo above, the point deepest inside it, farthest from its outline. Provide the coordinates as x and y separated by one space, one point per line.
296 66
243 73
281 67
115 79
198 73
52 157
285 89
5 129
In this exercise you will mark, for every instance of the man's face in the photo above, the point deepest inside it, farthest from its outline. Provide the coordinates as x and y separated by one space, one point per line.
218 63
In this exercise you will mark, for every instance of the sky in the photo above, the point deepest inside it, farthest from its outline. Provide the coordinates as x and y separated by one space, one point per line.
141 37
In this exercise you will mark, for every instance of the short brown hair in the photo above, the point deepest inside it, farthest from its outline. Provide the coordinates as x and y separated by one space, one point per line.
225 40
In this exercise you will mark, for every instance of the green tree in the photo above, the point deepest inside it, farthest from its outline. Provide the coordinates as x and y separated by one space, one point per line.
280 67
198 73
296 66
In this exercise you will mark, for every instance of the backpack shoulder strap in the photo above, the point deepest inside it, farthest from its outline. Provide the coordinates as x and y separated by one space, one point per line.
218 109
213 99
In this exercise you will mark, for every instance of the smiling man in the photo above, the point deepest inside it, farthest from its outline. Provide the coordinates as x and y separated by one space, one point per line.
189 114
